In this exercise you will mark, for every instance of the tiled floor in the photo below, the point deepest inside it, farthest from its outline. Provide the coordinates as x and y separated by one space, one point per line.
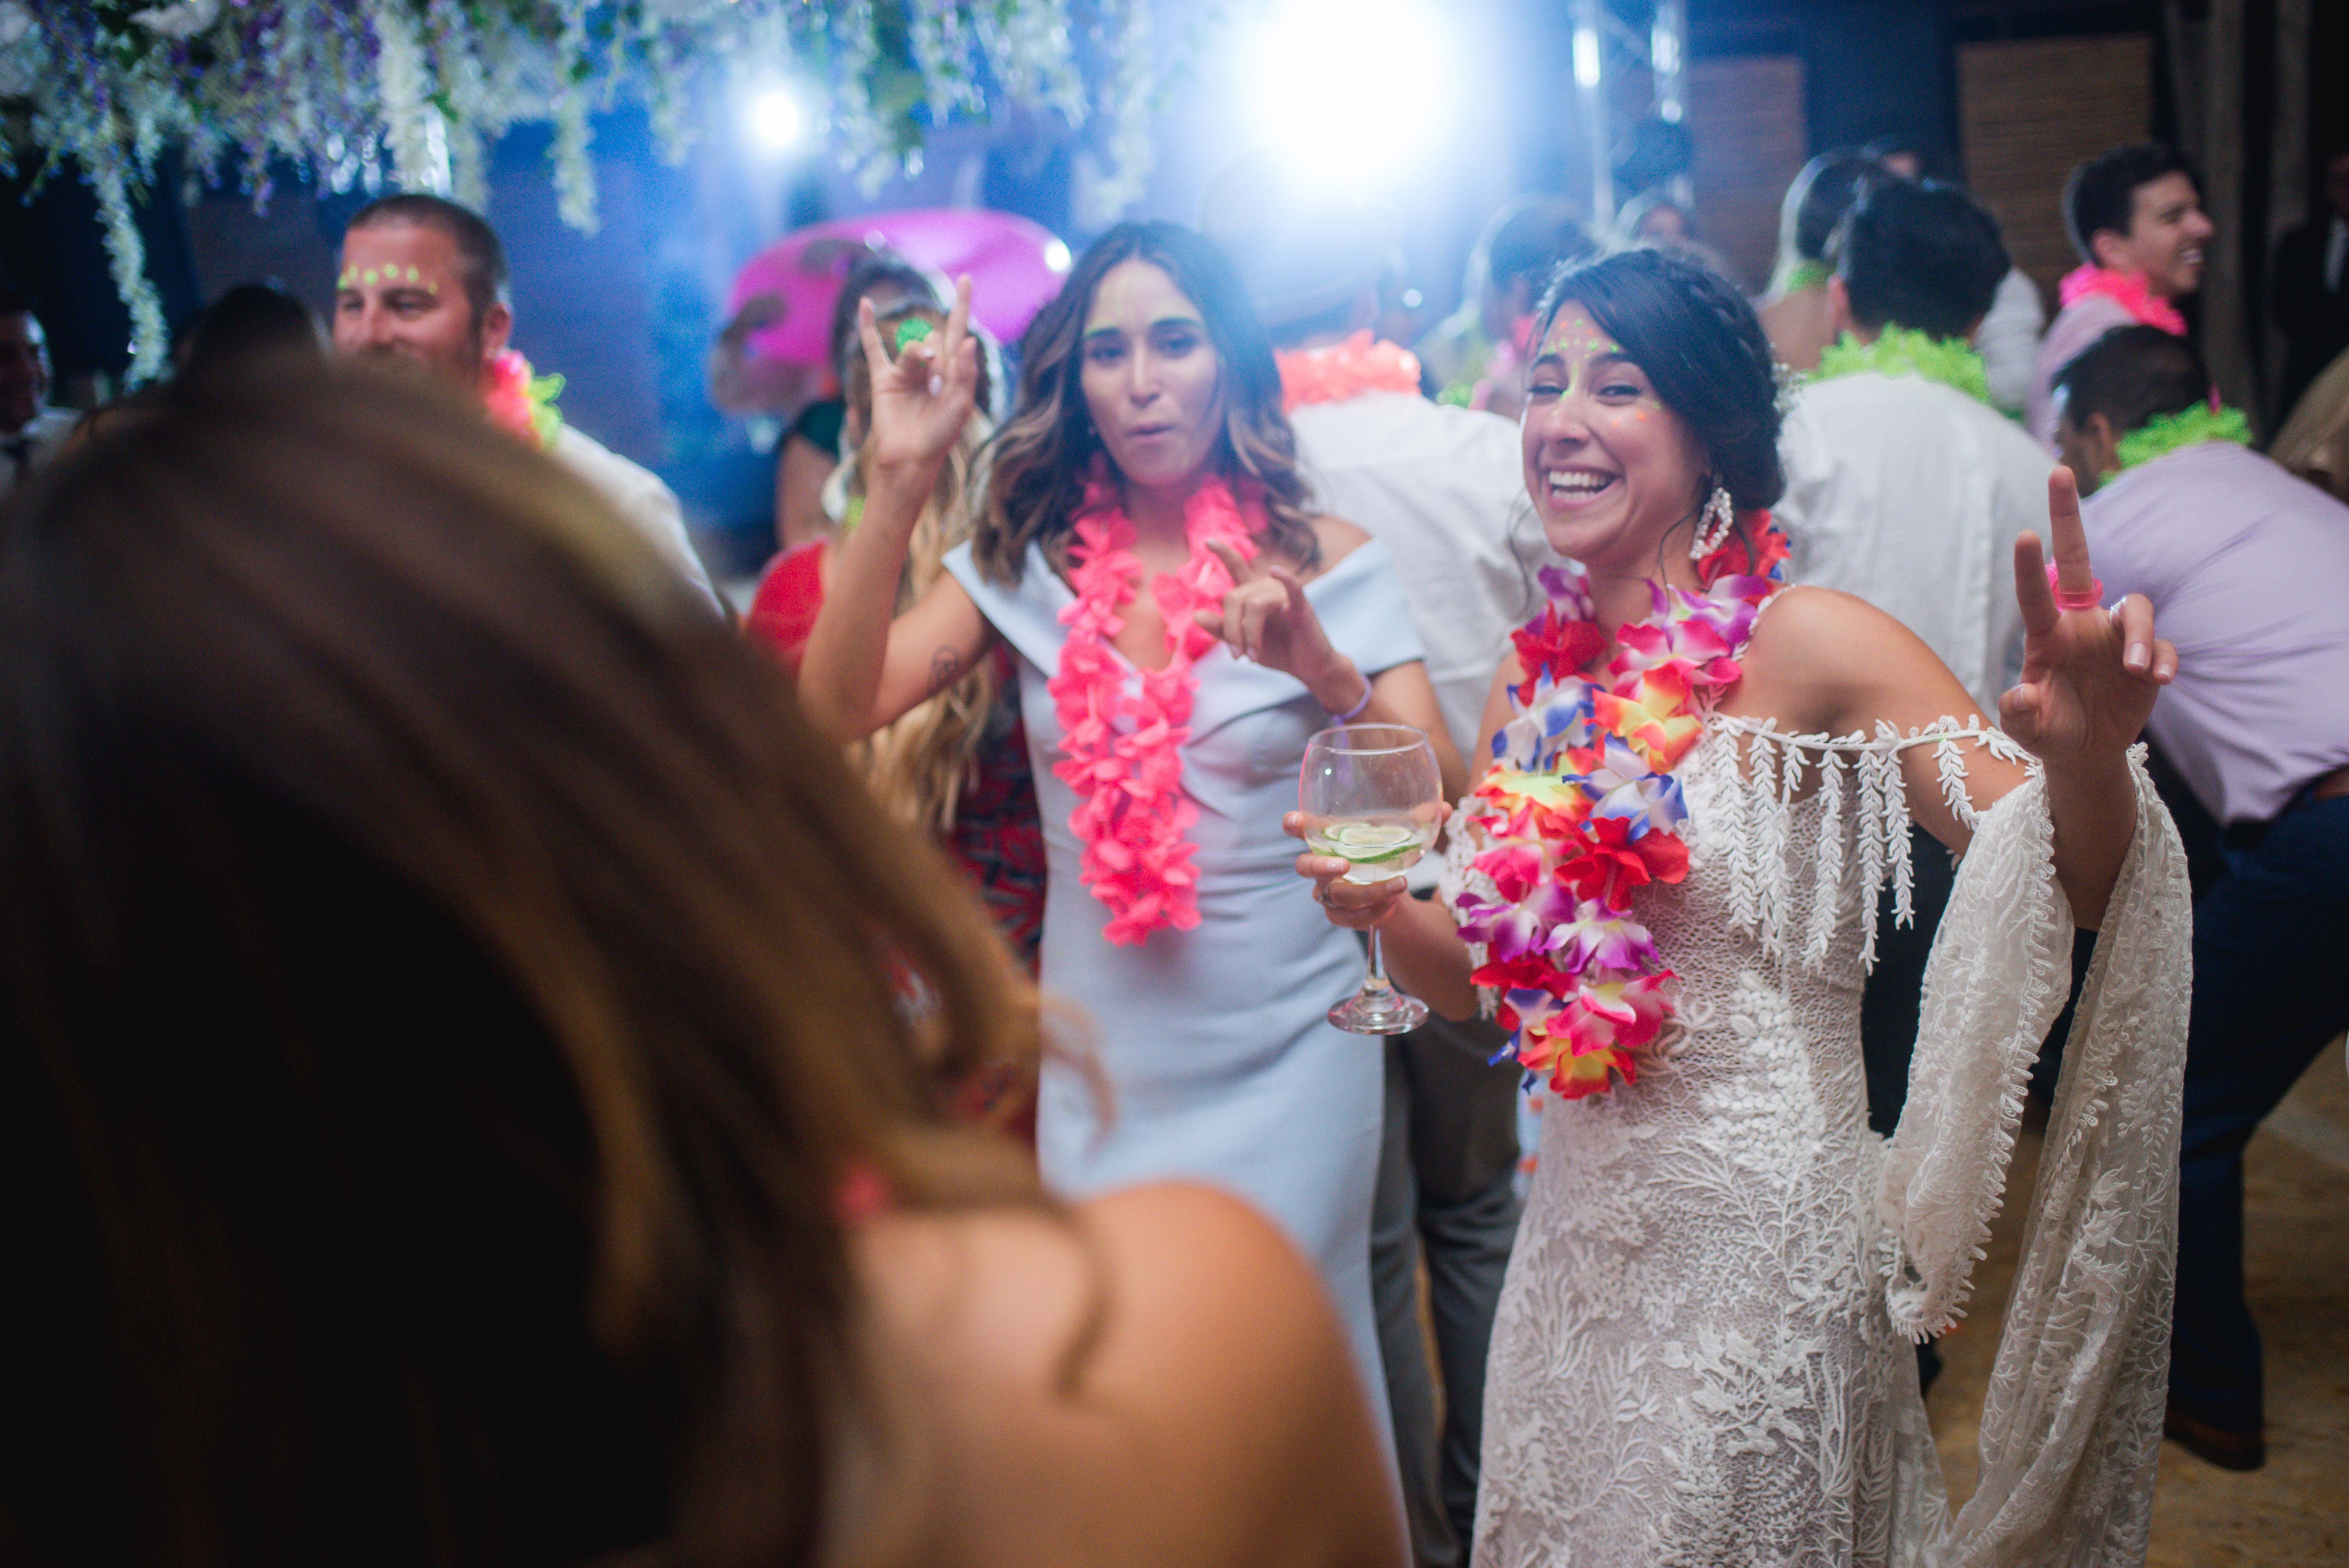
2295 1513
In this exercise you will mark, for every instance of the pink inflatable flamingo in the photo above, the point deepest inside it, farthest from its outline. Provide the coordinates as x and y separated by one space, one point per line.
1015 266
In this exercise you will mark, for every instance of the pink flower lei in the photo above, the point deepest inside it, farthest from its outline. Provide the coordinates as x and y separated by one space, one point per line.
2127 290
523 402
1582 809
1343 370
1124 750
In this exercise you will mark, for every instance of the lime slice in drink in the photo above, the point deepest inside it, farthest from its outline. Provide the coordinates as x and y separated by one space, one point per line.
1368 843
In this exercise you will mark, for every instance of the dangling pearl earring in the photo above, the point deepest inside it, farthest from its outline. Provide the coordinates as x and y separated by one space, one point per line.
1712 528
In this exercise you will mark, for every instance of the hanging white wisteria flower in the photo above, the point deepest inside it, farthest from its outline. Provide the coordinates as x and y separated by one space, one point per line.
411 92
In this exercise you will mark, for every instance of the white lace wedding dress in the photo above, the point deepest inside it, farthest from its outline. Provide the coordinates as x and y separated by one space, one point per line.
1703 1350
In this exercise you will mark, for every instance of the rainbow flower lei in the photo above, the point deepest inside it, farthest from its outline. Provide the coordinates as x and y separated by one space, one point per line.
1123 752
1582 809
523 402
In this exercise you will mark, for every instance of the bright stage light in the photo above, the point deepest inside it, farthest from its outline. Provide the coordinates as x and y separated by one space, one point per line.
1358 91
775 119
1586 56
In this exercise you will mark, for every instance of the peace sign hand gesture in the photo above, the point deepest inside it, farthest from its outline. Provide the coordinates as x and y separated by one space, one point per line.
923 397
2089 675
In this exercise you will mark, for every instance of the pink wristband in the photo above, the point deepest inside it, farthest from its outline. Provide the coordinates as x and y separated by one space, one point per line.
1354 712
2092 597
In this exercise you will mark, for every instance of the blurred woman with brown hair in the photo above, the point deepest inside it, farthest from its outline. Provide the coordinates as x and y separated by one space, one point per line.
474 1065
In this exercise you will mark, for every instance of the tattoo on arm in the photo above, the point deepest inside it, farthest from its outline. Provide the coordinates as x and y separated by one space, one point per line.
945 665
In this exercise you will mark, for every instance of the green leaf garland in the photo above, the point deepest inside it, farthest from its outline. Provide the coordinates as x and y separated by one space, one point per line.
1900 351
2167 433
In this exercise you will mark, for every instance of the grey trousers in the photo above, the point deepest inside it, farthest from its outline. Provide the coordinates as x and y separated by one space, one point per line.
1446 1171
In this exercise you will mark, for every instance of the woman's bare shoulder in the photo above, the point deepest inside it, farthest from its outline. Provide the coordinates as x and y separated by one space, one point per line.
1011 1279
1819 656
1016 1287
1338 539
1809 626
1821 660
1151 1372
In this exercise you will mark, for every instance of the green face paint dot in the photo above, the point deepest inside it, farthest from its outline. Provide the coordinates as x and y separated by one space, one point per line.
913 329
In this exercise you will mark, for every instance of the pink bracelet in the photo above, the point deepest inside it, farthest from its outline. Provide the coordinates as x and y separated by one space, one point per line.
1354 712
2092 597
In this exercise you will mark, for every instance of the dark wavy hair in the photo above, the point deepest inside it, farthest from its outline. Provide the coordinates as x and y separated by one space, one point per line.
1701 347
1039 461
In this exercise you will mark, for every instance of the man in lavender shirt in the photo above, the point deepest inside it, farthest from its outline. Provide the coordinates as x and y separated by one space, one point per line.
2248 570
2135 214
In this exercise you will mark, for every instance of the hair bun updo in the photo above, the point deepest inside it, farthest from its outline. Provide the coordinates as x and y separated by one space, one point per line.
1700 347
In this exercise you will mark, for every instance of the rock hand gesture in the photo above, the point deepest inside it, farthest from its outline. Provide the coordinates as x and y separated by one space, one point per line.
923 397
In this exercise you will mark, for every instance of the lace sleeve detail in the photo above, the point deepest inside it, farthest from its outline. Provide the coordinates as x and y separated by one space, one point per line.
1996 979
1864 807
2071 1425
1460 876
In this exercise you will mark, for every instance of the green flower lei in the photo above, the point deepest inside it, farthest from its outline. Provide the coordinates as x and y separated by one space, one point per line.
1806 275
1476 353
2166 433
544 416
1898 351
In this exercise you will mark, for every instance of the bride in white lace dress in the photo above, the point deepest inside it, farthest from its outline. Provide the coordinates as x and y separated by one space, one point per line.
1703 1352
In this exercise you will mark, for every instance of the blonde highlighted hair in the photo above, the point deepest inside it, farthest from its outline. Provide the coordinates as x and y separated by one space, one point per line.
918 764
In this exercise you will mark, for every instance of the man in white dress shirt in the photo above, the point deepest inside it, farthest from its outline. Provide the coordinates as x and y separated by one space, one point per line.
1908 491
1902 488
1440 487
31 433
423 281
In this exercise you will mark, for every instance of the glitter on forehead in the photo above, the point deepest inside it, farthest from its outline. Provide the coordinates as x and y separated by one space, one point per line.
1575 336
391 276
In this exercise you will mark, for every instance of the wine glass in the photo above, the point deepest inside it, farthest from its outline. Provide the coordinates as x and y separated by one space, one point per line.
1371 796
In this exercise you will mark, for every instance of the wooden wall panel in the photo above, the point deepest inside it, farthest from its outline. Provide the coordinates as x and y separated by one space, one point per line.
1746 114
2029 111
